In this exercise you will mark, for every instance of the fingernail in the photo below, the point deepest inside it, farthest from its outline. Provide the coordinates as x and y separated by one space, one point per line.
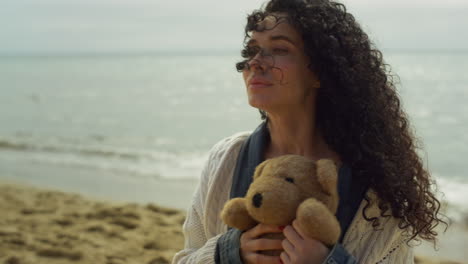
281 228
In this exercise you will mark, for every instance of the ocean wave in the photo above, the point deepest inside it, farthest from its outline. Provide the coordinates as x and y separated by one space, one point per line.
453 194
154 163
55 146
6 144
148 163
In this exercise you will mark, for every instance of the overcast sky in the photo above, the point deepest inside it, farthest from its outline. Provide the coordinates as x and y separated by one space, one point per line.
67 26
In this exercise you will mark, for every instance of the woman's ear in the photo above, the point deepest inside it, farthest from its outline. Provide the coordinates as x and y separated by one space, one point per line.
317 84
314 80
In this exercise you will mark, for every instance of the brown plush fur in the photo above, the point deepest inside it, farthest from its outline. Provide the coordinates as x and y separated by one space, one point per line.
286 188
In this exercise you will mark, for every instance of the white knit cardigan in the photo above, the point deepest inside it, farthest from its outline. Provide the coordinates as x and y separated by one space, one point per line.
203 226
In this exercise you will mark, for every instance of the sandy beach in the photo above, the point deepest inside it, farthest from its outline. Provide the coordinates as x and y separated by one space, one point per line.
44 227
40 226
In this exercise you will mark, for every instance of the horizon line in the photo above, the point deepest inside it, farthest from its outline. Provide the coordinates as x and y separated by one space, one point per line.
193 52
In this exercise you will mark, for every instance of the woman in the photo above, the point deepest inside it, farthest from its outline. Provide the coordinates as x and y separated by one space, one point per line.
324 92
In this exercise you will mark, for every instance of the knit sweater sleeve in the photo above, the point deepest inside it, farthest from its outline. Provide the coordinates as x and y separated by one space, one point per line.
202 226
385 244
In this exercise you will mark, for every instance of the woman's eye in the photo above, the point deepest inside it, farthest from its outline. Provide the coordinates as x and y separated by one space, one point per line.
250 52
280 51
289 179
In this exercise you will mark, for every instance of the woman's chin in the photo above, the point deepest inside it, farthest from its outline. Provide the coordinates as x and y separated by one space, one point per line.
260 102
259 106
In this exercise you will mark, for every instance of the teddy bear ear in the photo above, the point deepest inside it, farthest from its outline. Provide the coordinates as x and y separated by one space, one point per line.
259 169
327 175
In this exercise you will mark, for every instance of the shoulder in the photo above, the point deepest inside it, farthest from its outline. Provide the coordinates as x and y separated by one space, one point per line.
371 244
230 143
227 147
215 182
223 156
217 169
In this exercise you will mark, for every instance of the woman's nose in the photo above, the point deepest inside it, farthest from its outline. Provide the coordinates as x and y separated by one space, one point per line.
261 61
258 64
255 63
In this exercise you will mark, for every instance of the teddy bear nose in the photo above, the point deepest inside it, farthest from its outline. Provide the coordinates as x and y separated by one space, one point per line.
257 200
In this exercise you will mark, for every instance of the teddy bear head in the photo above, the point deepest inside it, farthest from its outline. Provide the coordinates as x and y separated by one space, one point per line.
281 184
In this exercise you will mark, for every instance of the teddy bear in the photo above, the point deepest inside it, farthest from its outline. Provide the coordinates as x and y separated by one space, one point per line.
286 188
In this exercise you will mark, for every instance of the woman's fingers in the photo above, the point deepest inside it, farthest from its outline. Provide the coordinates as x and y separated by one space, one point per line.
285 258
251 242
261 229
263 244
295 224
287 246
291 235
261 259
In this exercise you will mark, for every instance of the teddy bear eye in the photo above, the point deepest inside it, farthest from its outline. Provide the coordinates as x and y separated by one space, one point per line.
289 179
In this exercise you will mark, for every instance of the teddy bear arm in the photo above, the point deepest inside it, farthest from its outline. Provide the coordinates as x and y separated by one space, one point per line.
317 222
235 214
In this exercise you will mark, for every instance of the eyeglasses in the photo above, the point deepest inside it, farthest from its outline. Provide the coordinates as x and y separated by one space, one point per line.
259 57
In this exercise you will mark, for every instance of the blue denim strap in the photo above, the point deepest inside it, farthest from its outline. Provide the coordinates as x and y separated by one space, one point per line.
339 255
228 248
250 155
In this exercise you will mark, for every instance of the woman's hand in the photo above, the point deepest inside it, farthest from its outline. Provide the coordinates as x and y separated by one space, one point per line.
298 249
250 244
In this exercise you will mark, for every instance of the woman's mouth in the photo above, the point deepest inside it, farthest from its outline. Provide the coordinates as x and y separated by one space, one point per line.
256 83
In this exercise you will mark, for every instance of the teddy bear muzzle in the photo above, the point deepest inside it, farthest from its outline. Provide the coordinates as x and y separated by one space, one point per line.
273 207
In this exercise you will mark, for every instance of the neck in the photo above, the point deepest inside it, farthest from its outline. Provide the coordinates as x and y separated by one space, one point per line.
297 134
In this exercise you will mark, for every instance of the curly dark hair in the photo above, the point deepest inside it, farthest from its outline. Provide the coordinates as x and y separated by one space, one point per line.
359 111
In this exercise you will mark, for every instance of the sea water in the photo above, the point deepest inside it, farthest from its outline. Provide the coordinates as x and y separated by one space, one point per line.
150 117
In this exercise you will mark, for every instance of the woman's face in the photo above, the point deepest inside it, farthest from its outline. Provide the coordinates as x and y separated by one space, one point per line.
277 78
